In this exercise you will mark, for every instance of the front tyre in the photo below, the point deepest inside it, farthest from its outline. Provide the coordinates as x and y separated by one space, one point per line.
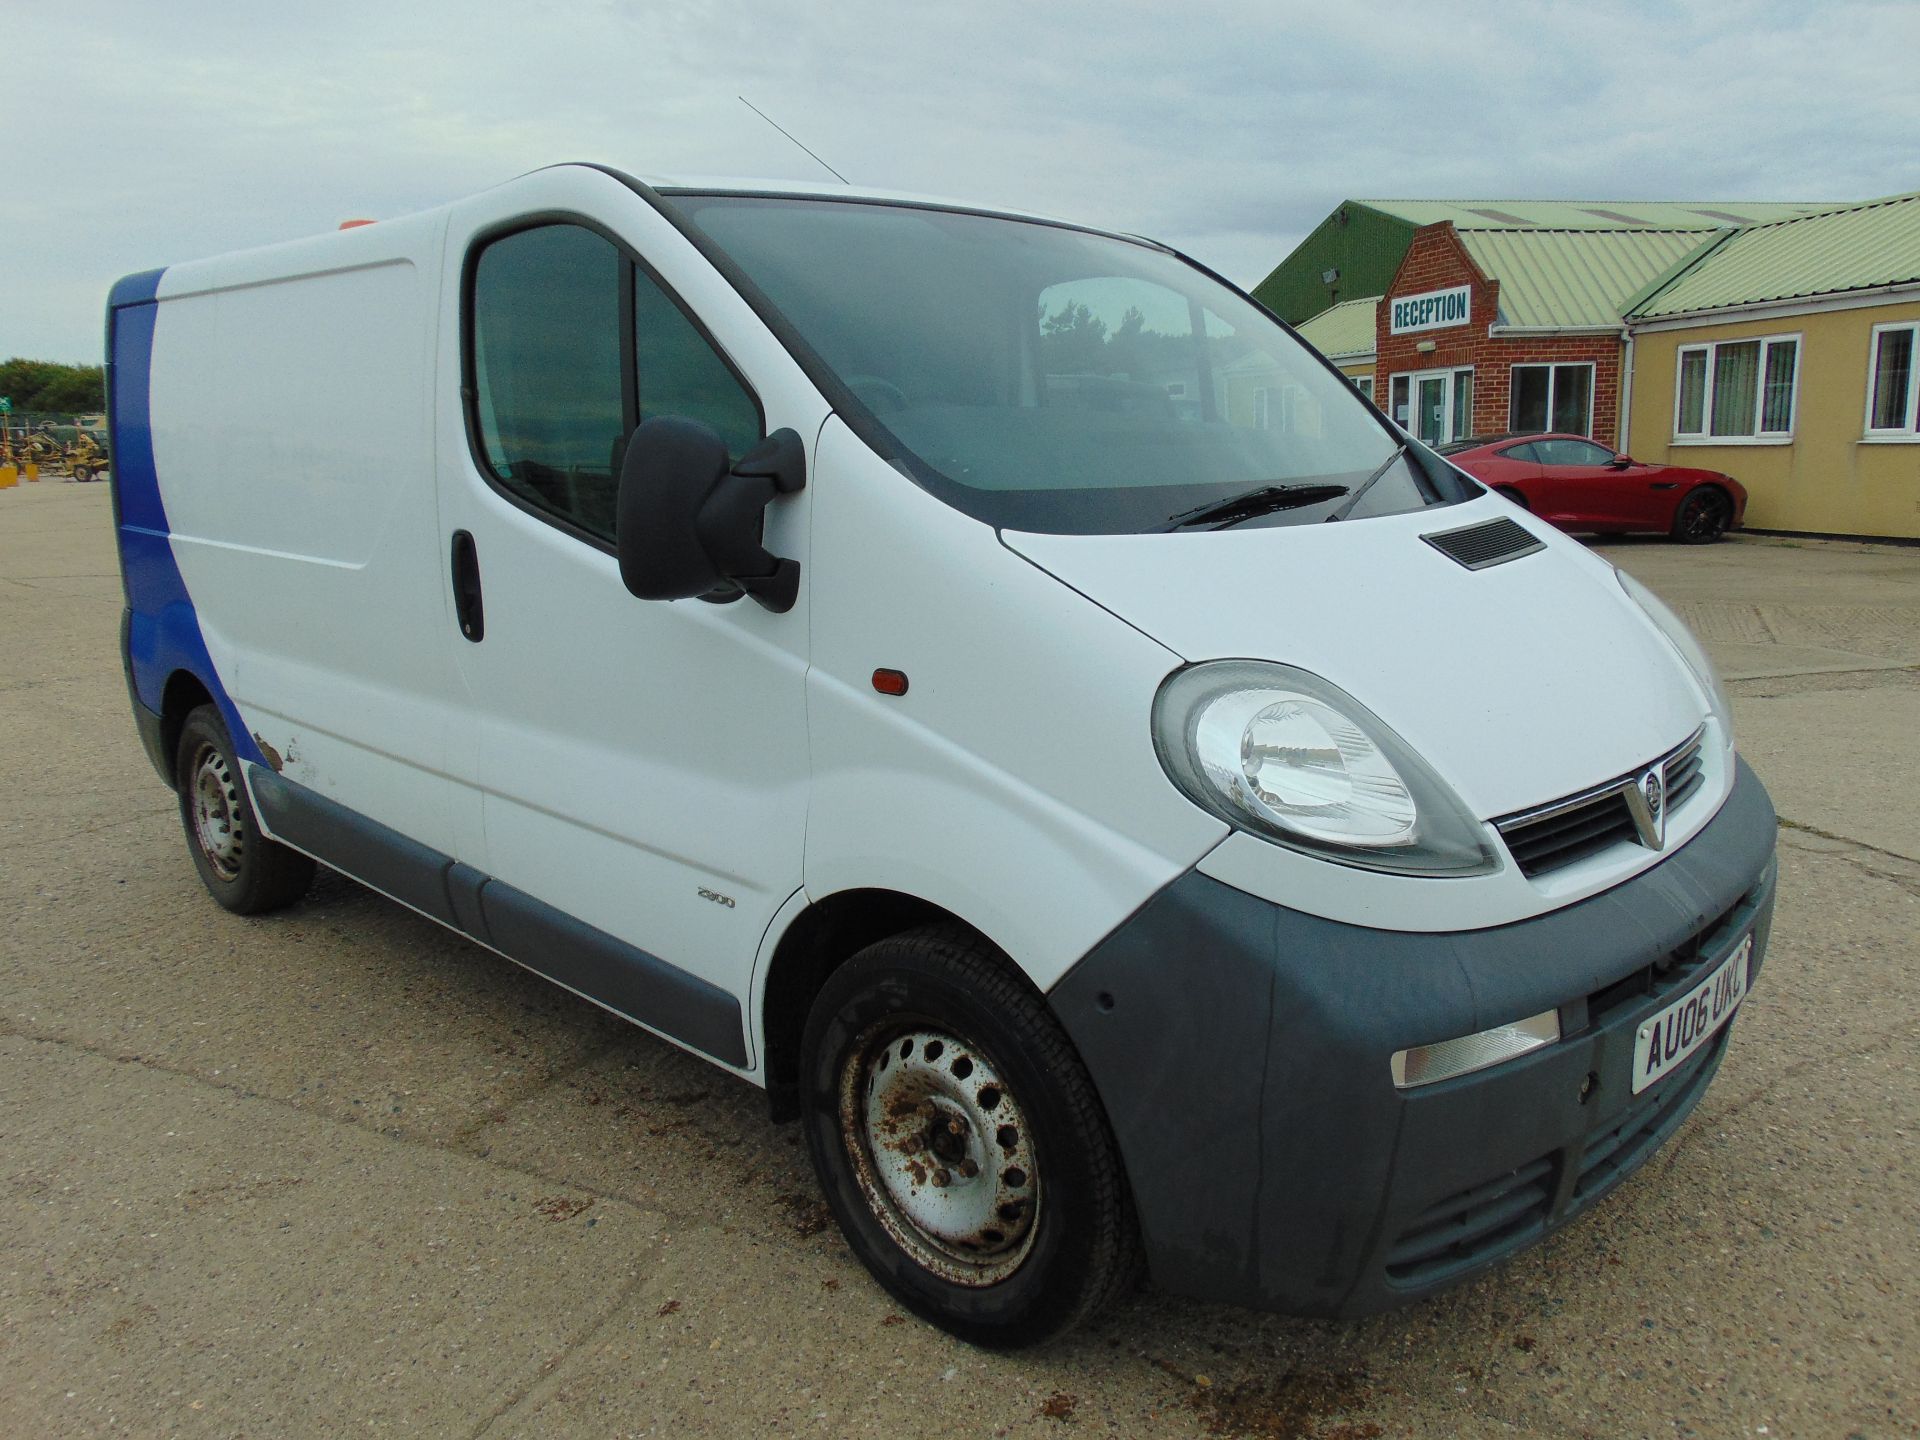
1703 516
960 1144
242 869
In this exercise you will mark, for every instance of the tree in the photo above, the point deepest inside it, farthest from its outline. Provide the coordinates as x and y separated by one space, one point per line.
46 387
1073 340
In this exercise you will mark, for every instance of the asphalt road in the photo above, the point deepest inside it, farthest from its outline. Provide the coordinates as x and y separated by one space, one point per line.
338 1172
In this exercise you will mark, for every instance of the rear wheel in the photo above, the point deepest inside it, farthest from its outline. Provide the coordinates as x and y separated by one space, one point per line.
1703 516
82 473
960 1144
242 869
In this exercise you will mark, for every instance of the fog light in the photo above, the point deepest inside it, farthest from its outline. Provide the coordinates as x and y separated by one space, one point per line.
1429 1064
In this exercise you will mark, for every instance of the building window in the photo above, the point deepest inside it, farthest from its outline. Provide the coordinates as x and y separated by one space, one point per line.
1893 383
1551 397
1263 408
1363 383
1737 389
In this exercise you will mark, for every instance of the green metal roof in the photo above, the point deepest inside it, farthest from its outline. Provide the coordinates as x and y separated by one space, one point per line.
1594 214
1573 279
1860 247
1343 330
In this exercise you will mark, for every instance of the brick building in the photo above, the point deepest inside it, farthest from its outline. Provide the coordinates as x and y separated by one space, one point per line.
1491 331
1501 315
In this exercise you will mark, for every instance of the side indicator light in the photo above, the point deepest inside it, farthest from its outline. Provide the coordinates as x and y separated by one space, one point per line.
890 682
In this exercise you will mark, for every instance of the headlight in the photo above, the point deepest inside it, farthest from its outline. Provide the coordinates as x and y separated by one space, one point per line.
1676 631
1284 755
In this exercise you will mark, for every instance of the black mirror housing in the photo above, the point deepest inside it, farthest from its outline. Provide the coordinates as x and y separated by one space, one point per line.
687 525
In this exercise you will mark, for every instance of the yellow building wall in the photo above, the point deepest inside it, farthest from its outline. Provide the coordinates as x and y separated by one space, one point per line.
1826 479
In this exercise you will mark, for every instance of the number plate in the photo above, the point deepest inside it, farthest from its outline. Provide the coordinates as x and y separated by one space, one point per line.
1692 1020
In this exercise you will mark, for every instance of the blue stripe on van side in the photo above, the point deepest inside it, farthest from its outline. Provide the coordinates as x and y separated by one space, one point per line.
163 633
135 289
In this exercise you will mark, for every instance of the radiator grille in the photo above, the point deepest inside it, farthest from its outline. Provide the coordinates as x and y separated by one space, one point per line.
1684 774
1548 837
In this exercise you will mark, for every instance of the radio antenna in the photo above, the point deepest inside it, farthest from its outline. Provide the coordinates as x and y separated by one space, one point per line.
776 125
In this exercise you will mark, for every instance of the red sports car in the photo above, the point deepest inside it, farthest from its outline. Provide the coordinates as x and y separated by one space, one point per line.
1569 481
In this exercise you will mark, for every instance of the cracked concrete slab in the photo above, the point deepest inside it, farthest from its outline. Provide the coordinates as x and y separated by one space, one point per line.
1846 763
175 1261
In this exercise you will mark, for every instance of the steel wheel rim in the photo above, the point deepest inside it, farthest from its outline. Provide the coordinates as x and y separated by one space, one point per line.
214 801
942 1151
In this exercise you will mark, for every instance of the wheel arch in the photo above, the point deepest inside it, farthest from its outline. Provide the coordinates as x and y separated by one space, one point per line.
817 941
184 693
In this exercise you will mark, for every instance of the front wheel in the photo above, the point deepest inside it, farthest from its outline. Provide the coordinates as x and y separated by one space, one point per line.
242 869
1703 516
960 1144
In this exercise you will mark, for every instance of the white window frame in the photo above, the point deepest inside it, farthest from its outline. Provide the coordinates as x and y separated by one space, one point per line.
1447 372
1908 434
1363 383
1706 436
1550 366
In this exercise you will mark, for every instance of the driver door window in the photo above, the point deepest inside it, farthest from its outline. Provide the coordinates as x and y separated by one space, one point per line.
557 386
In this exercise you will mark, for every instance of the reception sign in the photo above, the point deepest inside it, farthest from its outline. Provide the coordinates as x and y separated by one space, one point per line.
1432 310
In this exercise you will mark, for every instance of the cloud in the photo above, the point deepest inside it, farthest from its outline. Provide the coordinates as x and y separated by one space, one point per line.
1228 129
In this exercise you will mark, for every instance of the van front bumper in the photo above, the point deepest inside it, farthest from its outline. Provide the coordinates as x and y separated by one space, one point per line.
1242 1051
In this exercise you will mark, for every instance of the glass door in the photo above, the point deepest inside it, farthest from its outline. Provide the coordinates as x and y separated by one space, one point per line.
1431 410
1442 404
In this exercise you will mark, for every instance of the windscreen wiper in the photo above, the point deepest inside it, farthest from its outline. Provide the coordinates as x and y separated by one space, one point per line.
1366 485
1262 500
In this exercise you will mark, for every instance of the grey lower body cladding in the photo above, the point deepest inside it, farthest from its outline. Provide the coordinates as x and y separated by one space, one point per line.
1242 1052
620 976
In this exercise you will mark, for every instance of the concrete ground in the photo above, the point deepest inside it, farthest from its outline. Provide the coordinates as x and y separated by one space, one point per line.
338 1172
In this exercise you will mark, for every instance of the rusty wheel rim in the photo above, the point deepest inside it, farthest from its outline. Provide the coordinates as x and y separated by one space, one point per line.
214 801
942 1151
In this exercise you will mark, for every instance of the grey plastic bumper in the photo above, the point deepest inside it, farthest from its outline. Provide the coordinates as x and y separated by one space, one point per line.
1242 1051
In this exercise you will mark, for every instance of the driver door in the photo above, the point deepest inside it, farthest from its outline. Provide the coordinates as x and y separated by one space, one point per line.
641 766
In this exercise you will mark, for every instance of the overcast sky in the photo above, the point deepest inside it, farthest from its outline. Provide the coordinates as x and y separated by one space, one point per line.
140 134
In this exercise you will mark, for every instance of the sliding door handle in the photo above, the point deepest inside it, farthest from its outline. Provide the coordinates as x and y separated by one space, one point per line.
467 606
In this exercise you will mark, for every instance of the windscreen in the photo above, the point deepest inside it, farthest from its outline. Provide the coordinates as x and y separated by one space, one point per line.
1045 378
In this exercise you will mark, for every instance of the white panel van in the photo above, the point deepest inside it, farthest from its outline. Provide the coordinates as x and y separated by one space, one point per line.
981 679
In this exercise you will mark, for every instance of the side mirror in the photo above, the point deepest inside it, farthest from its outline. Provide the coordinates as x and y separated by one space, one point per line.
1620 462
686 525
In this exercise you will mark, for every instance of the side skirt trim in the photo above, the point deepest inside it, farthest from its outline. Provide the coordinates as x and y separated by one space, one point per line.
617 976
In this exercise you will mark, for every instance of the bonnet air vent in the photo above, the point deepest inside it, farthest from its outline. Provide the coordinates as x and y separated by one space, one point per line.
1492 543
